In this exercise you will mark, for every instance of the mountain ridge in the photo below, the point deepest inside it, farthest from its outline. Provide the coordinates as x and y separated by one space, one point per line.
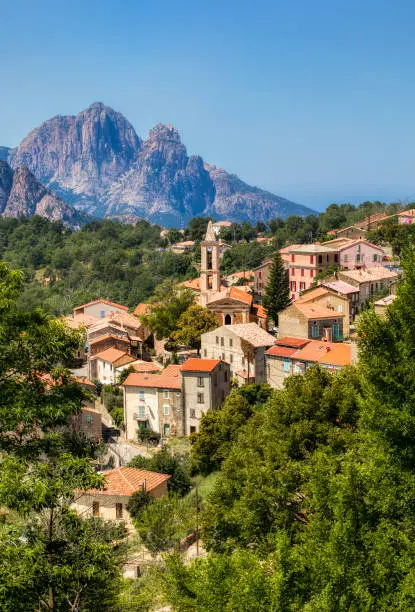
97 163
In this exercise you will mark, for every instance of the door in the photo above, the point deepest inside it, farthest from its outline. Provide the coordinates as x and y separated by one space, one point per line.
166 429
336 333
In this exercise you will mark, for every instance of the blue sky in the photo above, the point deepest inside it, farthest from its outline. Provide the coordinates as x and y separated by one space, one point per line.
313 100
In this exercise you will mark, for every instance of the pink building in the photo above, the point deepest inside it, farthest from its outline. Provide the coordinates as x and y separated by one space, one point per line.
356 254
407 217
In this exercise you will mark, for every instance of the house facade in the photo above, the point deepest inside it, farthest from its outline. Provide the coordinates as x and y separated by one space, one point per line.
121 483
356 254
312 321
327 298
103 366
206 384
305 262
368 281
261 275
99 309
242 346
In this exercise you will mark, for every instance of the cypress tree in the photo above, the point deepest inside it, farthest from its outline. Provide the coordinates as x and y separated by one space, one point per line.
277 291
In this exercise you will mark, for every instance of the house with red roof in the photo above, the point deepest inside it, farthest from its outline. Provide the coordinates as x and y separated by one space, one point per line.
110 503
294 355
311 320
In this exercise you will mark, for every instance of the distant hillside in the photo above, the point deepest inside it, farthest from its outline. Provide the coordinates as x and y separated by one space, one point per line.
96 162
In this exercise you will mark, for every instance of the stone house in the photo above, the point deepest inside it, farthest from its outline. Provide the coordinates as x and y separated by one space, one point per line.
308 320
153 401
345 290
323 296
87 423
294 355
242 346
206 383
368 281
261 275
110 503
352 231
104 365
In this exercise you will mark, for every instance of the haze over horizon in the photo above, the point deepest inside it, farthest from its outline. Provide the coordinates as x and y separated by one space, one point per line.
312 102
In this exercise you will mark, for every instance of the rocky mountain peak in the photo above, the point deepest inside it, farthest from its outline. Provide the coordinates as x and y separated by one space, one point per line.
163 131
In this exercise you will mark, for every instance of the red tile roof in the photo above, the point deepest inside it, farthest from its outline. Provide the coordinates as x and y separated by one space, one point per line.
336 353
125 481
312 311
281 351
84 381
101 301
239 294
111 355
292 342
146 366
107 337
260 311
169 379
244 374
200 365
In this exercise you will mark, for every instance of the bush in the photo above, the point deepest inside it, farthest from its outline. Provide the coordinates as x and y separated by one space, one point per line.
165 463
138 502
117 415
146 435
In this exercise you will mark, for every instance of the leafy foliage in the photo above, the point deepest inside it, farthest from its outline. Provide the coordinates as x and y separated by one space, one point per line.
165 463
277 291
167 306
194 322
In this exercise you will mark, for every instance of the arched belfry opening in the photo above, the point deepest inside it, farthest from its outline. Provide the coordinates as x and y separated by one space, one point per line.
228 319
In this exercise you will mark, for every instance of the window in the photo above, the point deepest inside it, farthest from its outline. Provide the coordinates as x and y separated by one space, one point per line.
192 413
230 342
358 258
302 271
166 410
293 285
311 259
200 381
142 412
292 271
358 248
339 308
95 508
192 429
88 419
320 259
259 274
286 365
217 339
314 331
311 273
200 398
231 358
375 257
292 257
346 258
166 394
102 314
141 396
293 296
204 352
222 341
302 286
166 429
336 258
118 511
225 375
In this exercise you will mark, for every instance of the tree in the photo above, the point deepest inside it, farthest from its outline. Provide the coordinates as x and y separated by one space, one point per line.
165 463
194 322
56 554
277 291
167 305
137 502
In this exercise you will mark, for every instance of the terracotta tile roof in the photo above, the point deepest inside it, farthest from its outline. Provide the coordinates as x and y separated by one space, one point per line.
80 320
125 481
82 380
101 301
292 342
184 243
313 248
111 355
142 309
328 353
126 319
107 337
170 378
288 249
312 294
341 287
238 294
200 365
146 366
259 311
251 333
124 360
244 374
369 274
312 311
352 242
281 351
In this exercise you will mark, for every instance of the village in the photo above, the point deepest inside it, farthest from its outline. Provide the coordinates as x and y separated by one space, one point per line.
161 395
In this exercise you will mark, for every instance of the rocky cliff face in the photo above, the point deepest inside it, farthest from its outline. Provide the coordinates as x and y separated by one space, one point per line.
4 153
21 194
96 162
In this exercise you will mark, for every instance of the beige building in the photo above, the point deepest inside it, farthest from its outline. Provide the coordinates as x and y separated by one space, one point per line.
294 355
104 365
110 503
381 306
345 290
261 275
99 309
338 303
242 346
309 320
206 383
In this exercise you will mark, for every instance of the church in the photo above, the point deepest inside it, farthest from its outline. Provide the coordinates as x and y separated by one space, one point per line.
231 305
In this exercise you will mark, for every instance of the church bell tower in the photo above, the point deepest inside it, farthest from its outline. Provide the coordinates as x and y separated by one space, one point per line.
210 266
